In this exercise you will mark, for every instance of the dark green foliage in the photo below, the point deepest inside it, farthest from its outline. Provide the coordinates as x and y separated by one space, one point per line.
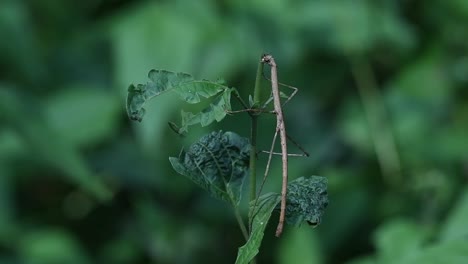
68 64
40 137
306 201
218 162
189 90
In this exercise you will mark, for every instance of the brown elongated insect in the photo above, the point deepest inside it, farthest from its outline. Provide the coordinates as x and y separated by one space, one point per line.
280 127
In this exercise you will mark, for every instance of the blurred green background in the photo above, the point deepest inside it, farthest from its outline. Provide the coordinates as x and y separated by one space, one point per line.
382 109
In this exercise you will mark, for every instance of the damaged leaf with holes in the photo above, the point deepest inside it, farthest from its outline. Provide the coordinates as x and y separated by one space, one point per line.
306 201
218 162
188 89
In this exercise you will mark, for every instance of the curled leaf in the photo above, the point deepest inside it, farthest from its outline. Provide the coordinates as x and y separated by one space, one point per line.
218 162
306 201
188 89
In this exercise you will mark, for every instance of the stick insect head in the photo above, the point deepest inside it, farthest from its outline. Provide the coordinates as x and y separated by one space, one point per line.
266 58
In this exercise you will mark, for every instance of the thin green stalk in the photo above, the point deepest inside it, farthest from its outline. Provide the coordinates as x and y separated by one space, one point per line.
258 81
253 161
241 223
253 141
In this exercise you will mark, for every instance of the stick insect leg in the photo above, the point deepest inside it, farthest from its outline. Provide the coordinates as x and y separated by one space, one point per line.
303 154
268 101
246 108
295 89
250 110
279 154
267 168
237 111
244 105
292 94
236 94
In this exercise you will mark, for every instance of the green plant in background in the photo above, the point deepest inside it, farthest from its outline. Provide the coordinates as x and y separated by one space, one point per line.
220 161
81 184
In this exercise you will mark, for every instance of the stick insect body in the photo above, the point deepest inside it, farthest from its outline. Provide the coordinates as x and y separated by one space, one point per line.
280 127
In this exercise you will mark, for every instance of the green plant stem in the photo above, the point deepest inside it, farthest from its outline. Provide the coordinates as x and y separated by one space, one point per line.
241 223
253 161
253 141
258 81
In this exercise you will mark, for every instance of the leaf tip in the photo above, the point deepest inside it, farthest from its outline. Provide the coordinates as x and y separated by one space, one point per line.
137 115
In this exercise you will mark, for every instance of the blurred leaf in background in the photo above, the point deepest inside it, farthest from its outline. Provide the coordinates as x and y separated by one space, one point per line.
383 84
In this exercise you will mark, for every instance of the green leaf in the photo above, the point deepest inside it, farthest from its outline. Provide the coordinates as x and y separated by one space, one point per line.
50 246
66 115
215 111
265 206
454 251
399 239
455 225
189 90
306 201
218 162
46 144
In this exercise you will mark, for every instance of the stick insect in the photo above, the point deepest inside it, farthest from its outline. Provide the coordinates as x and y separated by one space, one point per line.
281 129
